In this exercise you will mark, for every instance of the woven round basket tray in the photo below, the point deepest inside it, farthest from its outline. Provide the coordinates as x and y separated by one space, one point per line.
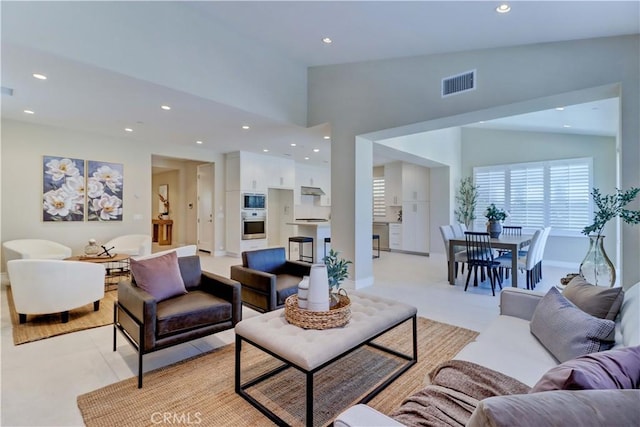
334 318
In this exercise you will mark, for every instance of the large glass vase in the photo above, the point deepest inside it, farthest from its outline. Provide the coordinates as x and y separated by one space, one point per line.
596 267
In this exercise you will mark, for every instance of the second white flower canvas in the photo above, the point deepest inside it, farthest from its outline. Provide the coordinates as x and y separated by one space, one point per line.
104 191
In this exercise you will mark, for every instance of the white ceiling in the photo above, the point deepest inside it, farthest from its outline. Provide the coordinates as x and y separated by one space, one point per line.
361 31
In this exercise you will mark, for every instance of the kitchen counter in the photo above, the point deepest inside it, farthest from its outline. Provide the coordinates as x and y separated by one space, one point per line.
316 229
311 223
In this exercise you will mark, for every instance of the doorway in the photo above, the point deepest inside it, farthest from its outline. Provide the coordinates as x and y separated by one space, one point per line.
189 202
205 188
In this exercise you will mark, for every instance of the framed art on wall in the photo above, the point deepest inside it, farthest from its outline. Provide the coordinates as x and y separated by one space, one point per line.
104 191
63 189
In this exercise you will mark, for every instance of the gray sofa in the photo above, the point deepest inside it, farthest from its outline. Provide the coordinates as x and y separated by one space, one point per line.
508 347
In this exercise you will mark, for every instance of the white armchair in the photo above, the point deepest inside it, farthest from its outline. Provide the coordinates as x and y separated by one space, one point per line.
53 286
180 251
130 244
35 249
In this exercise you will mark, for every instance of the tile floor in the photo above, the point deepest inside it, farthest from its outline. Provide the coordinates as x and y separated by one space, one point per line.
41 380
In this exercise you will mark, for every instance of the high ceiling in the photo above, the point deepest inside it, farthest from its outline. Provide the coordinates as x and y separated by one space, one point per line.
361 31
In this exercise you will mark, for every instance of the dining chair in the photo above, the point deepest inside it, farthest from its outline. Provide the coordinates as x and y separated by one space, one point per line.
527 263
459 256
512 230
480 255
509 230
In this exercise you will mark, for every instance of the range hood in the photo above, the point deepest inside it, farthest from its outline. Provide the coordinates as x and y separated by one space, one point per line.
311 191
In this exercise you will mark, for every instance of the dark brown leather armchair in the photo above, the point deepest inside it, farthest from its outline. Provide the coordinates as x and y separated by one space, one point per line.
212 304
268 278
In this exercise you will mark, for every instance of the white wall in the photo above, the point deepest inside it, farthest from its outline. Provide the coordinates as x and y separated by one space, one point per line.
362 98
173 44
441 151
24 145
483 147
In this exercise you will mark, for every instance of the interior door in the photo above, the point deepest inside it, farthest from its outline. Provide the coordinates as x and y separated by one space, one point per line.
205 208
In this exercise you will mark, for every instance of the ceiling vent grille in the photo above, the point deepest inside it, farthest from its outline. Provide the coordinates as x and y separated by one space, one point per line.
459 83
7 91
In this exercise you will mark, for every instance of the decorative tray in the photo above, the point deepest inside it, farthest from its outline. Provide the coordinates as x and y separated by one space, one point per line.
338 316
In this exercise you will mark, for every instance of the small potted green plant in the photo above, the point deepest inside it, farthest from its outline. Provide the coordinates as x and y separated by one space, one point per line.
337 271
495 216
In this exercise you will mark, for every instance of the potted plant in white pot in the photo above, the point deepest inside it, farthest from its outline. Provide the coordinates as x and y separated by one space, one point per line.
596 267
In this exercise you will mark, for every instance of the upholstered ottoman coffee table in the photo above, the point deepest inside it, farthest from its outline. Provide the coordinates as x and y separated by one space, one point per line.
310 350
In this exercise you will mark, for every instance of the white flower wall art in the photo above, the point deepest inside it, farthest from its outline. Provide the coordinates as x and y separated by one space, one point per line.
63 189
104 191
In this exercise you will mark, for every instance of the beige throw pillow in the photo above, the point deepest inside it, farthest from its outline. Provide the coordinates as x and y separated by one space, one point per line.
598 301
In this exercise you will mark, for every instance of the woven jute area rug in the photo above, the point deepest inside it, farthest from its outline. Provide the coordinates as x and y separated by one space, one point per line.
50 325
201 391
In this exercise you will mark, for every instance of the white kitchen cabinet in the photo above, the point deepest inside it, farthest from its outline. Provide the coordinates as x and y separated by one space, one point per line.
280 173
415 227
253 175
415 183
393 184
395 237
252 245
313 176
252 172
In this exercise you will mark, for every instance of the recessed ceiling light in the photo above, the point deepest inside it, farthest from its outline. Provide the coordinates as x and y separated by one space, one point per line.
198 142
245 127
327 40
306 158
293 144
481 121
327 137
559 108
28 112
39 76
503 8
316 150
128 130
165 107
266 150
566 126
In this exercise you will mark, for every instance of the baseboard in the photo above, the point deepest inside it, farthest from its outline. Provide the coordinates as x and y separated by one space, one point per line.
361 283
562 264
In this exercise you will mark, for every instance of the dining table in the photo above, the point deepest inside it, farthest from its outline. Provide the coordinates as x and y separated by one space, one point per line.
503 242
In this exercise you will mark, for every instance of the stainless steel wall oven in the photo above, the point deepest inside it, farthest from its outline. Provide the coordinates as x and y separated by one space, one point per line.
254 224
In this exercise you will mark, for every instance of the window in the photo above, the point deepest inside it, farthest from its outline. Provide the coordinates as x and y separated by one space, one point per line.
553 193
379 207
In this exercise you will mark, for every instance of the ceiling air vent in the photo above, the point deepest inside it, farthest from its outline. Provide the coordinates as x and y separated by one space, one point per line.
459 83
7 91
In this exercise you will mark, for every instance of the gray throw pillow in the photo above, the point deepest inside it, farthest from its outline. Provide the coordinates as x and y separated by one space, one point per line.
159 276
598 301
566 331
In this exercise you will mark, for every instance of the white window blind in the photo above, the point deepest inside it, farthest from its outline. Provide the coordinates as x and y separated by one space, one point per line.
491 189
379 207
553 193
569 196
